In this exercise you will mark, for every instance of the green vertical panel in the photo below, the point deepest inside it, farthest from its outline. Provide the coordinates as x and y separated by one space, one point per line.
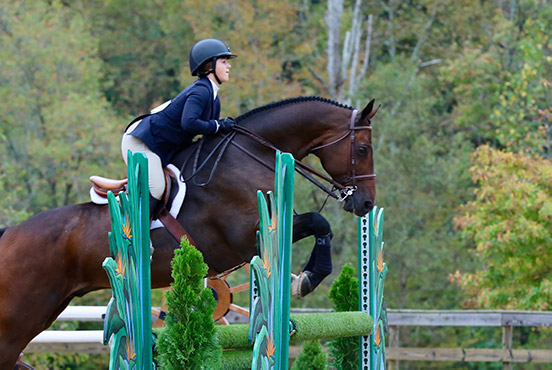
372 283
372 272
380 273
286 231
140 199
271 272
128 317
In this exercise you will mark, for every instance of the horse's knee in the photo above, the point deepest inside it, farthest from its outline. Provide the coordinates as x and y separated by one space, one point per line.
320 225
311 223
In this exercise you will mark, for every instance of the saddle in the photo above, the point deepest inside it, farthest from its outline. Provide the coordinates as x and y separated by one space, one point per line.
172 199
102 185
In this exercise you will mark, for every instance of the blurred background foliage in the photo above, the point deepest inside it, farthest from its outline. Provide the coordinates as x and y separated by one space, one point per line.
463 141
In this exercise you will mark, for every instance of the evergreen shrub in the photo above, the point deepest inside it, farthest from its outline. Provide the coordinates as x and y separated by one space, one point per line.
311 357
344 295
189 340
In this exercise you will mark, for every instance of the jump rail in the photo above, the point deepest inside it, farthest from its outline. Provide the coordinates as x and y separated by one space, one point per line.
90 341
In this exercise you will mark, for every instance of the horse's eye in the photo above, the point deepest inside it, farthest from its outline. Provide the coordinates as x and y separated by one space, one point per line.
363 150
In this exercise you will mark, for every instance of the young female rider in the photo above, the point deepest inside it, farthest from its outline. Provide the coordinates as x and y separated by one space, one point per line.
194 111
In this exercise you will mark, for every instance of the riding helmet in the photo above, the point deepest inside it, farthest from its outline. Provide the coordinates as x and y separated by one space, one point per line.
208 50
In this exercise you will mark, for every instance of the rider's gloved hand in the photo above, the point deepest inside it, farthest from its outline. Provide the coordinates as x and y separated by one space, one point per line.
226 124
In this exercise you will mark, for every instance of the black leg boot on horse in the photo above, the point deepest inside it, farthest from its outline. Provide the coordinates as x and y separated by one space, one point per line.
320 262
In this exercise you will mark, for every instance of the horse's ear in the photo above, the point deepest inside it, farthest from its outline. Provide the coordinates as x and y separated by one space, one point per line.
368 112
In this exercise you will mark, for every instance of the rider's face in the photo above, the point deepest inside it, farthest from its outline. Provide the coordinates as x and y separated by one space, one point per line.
223 69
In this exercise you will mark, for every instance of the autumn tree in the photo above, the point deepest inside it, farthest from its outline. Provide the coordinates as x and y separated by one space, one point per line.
510 223
501 90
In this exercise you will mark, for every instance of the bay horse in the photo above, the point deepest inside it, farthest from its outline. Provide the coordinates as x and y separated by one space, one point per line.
57 254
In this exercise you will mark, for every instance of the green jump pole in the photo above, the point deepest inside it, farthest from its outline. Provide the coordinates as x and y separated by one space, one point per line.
309 326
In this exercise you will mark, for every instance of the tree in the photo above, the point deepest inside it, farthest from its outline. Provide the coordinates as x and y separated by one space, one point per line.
525 95
141 57
501 85
189 340
510 223
343 65
259 32
311 357
56 127
344 296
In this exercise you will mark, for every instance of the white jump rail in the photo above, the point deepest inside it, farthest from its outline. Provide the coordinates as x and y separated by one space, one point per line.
83 313
82 341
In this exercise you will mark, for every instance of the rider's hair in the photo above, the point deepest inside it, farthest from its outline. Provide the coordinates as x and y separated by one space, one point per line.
205 68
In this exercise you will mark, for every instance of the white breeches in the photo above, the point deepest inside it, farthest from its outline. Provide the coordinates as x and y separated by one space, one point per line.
155 169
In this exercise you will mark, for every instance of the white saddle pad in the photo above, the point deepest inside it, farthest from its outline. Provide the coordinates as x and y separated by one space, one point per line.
175 206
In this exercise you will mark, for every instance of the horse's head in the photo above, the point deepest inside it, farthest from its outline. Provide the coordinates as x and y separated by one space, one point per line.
348 158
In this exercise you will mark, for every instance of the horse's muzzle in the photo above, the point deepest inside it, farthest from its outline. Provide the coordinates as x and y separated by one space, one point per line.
358 204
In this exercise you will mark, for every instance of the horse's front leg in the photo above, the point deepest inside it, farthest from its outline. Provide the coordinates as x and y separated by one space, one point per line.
319 264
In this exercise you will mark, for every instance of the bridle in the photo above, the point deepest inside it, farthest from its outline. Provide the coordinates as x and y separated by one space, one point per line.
345 188
352 177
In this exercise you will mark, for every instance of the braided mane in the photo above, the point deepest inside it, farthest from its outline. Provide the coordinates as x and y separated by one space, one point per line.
284 102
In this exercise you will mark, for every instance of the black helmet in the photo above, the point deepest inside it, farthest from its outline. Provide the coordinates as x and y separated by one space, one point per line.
207 50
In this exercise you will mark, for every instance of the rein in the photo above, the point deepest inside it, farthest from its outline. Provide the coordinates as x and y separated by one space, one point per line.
303 169
223 143
300 167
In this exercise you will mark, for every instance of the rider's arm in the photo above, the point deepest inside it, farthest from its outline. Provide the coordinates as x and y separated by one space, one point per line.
194 106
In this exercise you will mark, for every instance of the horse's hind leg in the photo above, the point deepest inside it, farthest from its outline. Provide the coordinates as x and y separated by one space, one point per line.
319 264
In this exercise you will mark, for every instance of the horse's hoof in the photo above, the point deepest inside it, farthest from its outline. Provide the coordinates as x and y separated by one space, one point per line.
294 284
301 285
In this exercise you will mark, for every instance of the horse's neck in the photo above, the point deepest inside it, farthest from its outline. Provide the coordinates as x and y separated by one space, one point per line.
298 131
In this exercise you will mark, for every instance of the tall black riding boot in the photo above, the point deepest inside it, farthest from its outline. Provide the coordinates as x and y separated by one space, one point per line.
156 206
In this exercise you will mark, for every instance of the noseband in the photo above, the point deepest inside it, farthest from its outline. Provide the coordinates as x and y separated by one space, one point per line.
345 189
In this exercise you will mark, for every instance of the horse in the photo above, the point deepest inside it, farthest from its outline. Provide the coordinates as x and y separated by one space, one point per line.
57 254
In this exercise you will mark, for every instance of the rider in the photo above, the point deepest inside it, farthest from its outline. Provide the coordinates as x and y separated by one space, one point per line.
194 111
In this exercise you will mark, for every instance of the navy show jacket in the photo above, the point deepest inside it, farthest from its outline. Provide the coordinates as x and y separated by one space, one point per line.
192 112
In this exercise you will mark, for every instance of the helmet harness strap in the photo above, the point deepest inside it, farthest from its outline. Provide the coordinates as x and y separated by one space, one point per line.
213 70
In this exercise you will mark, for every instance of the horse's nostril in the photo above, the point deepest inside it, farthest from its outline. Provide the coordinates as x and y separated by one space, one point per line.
368 205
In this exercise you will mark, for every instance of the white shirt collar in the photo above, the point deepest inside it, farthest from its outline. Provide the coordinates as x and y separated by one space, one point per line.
215 88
